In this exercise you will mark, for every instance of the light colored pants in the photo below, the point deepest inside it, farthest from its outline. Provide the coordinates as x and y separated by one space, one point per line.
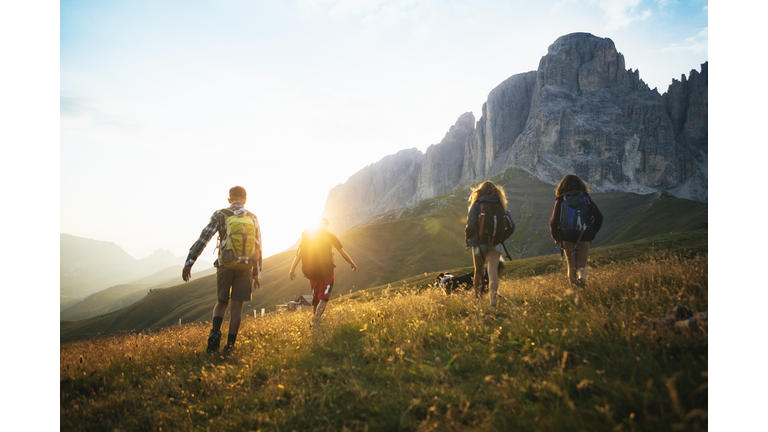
577 265
492 257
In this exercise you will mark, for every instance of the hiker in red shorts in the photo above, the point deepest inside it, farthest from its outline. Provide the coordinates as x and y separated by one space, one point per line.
316 253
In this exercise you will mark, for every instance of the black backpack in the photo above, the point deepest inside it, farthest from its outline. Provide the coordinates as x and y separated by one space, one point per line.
576 215
493 224
317 256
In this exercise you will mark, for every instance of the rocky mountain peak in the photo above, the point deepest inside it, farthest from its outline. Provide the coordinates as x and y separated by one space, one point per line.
581 112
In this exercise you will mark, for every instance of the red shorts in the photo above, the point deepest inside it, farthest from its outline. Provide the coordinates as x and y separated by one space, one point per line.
321 288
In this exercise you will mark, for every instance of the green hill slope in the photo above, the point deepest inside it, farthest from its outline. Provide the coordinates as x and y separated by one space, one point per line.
105 301
667 215
162 307
120 296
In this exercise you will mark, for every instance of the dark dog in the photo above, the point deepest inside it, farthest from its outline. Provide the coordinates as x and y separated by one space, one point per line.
449 283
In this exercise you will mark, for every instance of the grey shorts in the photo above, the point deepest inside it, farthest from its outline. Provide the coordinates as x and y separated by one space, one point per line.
240 282
483 249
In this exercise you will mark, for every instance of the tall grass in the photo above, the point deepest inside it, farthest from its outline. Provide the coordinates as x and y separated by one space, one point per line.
547 357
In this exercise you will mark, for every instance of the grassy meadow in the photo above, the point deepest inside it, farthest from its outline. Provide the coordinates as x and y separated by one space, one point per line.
408 357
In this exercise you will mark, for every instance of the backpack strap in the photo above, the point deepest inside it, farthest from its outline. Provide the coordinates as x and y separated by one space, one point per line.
505 250
227 213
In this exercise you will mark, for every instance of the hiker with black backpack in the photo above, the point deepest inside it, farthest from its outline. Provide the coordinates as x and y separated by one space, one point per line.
489 224
238 265
574 223
316 254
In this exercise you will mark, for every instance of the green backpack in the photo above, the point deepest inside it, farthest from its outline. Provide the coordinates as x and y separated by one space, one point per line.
239 251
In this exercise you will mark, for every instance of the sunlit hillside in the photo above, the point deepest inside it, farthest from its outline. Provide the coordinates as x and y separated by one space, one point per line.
547 358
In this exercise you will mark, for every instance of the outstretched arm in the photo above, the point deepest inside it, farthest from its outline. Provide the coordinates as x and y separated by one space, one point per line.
347 259
292 273
198 246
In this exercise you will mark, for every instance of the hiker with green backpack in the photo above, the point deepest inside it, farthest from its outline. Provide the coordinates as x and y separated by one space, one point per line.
316 254
489 224
238 265
574 223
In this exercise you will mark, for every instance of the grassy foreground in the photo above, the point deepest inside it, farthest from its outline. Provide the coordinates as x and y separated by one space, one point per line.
546 358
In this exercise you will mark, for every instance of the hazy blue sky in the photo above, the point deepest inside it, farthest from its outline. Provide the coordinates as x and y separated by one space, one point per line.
167 104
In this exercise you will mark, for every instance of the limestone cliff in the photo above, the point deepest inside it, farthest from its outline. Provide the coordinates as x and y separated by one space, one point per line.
592 117
580 112
685 102
505 115
388 184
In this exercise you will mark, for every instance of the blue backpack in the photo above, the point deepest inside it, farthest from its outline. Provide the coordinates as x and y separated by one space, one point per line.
576 216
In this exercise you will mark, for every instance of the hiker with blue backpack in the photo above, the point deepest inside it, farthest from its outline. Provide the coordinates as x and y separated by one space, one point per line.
238 265
574 223
489 224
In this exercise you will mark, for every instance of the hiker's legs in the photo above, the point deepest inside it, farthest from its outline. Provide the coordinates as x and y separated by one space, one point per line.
238 293
224 279
214 337
568 247
582 254
577 265
319 309
477 281
321 293
493 275
235 316
220 309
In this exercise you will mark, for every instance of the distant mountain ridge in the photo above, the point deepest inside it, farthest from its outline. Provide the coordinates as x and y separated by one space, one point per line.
88 266
123 295
580 112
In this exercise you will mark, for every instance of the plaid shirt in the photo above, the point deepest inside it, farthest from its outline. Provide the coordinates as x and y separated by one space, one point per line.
218 223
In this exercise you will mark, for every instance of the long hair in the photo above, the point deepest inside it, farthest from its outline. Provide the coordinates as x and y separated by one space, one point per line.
569 183
488 188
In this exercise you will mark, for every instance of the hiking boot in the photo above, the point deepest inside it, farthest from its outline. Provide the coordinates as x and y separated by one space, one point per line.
581 283
229 348
214 340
